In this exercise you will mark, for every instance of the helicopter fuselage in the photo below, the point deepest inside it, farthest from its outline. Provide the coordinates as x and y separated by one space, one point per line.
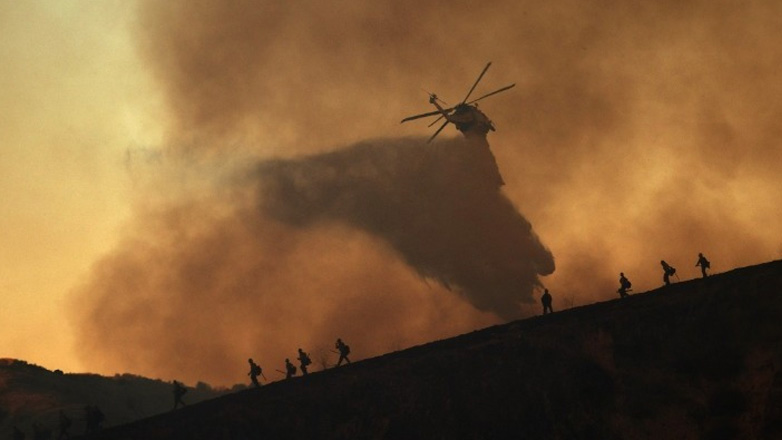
467 119
471 121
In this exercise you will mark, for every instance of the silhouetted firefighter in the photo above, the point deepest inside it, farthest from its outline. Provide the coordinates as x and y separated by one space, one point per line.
93 417
255 371
668 271
546 301
704 264
624 285
344 351
290 369
179 391
304 360
65 424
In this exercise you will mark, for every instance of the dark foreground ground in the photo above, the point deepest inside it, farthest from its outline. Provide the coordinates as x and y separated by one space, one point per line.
696 360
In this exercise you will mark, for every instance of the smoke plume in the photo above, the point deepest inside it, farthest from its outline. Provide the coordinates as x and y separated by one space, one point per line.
636 132
439 207
273 256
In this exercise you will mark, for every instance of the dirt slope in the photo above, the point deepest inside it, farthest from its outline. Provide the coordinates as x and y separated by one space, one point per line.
696 360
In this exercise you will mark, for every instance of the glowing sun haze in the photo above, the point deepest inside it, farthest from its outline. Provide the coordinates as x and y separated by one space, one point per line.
637 131
73 100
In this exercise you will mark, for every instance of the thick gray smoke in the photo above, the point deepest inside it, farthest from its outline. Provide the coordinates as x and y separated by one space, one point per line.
260 260
637 131
438 205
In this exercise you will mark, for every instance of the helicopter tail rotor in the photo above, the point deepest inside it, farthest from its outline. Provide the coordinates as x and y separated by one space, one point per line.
433 97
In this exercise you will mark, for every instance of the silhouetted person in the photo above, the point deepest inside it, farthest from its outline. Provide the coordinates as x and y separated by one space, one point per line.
704 264
304 360
668 271
93 417
624 285
255 371
290 369
65 424
179 391
344 351
546 301
18 435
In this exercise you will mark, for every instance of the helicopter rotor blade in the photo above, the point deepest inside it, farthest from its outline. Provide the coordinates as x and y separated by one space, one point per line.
423 115
438 131
435 121
492 93
476 83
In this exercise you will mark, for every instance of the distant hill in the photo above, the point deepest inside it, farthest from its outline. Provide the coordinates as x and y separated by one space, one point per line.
31 394
695 360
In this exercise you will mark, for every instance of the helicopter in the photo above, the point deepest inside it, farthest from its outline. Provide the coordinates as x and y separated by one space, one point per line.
465 115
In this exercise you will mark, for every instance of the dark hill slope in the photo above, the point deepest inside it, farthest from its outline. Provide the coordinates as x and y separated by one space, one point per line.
32 395
696 360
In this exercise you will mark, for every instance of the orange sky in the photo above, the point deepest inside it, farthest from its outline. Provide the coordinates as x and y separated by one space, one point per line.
73 99
635 133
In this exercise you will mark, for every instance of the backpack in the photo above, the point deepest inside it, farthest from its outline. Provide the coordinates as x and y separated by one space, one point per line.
305 360
346 349
256 370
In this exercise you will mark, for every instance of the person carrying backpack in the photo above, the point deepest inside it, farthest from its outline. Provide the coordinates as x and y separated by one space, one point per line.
255 371
624 285
179 391
704 264
344 351
304 360
668 271
290 369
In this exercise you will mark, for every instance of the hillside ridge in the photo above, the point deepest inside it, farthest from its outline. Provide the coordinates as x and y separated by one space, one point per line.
31 395
696 359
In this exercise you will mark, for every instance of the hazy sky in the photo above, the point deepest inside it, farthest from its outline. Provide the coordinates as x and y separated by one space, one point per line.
636 132
73 100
